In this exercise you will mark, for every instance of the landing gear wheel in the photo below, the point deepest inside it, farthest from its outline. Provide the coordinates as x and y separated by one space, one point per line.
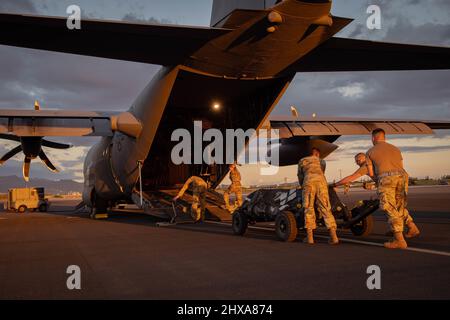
363 228
22 209
286 226
239 224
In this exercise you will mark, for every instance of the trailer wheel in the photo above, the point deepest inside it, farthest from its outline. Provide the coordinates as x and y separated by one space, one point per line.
43 208
286 226
240 223
22 209
363 228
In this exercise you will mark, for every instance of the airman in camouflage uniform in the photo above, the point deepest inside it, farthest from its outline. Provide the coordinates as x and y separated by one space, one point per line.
360 160
385 165
315 192
199 188
363 170
401 198
235 188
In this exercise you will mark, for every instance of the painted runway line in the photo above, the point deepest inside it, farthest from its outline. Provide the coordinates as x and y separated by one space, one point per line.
374 244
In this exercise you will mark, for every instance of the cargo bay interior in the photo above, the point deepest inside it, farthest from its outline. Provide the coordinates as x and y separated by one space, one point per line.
242 104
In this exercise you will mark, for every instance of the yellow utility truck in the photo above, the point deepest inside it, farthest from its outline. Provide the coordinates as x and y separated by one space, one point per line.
23 199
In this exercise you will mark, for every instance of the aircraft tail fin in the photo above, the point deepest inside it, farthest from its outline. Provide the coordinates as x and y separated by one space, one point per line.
222 8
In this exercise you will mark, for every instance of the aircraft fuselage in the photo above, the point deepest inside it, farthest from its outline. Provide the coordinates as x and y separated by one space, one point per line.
247 70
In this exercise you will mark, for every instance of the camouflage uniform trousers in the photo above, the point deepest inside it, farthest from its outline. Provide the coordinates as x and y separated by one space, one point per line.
237 190
392 191
316 193
198 204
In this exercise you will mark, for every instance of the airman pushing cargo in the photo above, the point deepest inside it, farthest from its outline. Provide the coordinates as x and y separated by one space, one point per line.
360 160
315 192
363 170
385 165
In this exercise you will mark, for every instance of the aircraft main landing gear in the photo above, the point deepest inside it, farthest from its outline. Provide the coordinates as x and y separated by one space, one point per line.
99 210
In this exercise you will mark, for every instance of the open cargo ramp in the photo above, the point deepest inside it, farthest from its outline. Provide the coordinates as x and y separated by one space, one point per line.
159 203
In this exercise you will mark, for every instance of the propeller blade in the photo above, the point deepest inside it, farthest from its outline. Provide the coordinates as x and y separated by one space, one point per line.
26 169
10 154
47 162
55 145
9 137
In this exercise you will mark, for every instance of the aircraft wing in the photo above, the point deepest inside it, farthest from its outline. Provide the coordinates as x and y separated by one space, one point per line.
155 44
58 123
304 127
298 136
340 54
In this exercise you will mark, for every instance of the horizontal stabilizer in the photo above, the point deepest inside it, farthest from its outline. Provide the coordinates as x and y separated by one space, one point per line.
340 54
147 43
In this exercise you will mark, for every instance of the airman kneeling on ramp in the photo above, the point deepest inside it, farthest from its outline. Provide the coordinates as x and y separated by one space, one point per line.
199 188
315 192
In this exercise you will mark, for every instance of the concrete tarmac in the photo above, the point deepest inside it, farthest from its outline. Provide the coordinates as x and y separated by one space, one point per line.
129 257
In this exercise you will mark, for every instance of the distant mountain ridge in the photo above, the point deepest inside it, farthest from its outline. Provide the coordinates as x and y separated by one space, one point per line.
51 186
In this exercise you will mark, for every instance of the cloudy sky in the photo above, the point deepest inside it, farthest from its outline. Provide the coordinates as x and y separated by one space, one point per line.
69 81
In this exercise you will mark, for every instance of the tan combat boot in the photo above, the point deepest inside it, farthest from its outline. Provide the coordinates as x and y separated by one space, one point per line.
309 237
398 242
413 231
333 237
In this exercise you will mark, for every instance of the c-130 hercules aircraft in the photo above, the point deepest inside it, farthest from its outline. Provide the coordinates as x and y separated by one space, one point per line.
246 60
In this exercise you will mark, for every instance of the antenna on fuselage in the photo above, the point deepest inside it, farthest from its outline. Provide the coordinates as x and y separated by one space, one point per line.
294 112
